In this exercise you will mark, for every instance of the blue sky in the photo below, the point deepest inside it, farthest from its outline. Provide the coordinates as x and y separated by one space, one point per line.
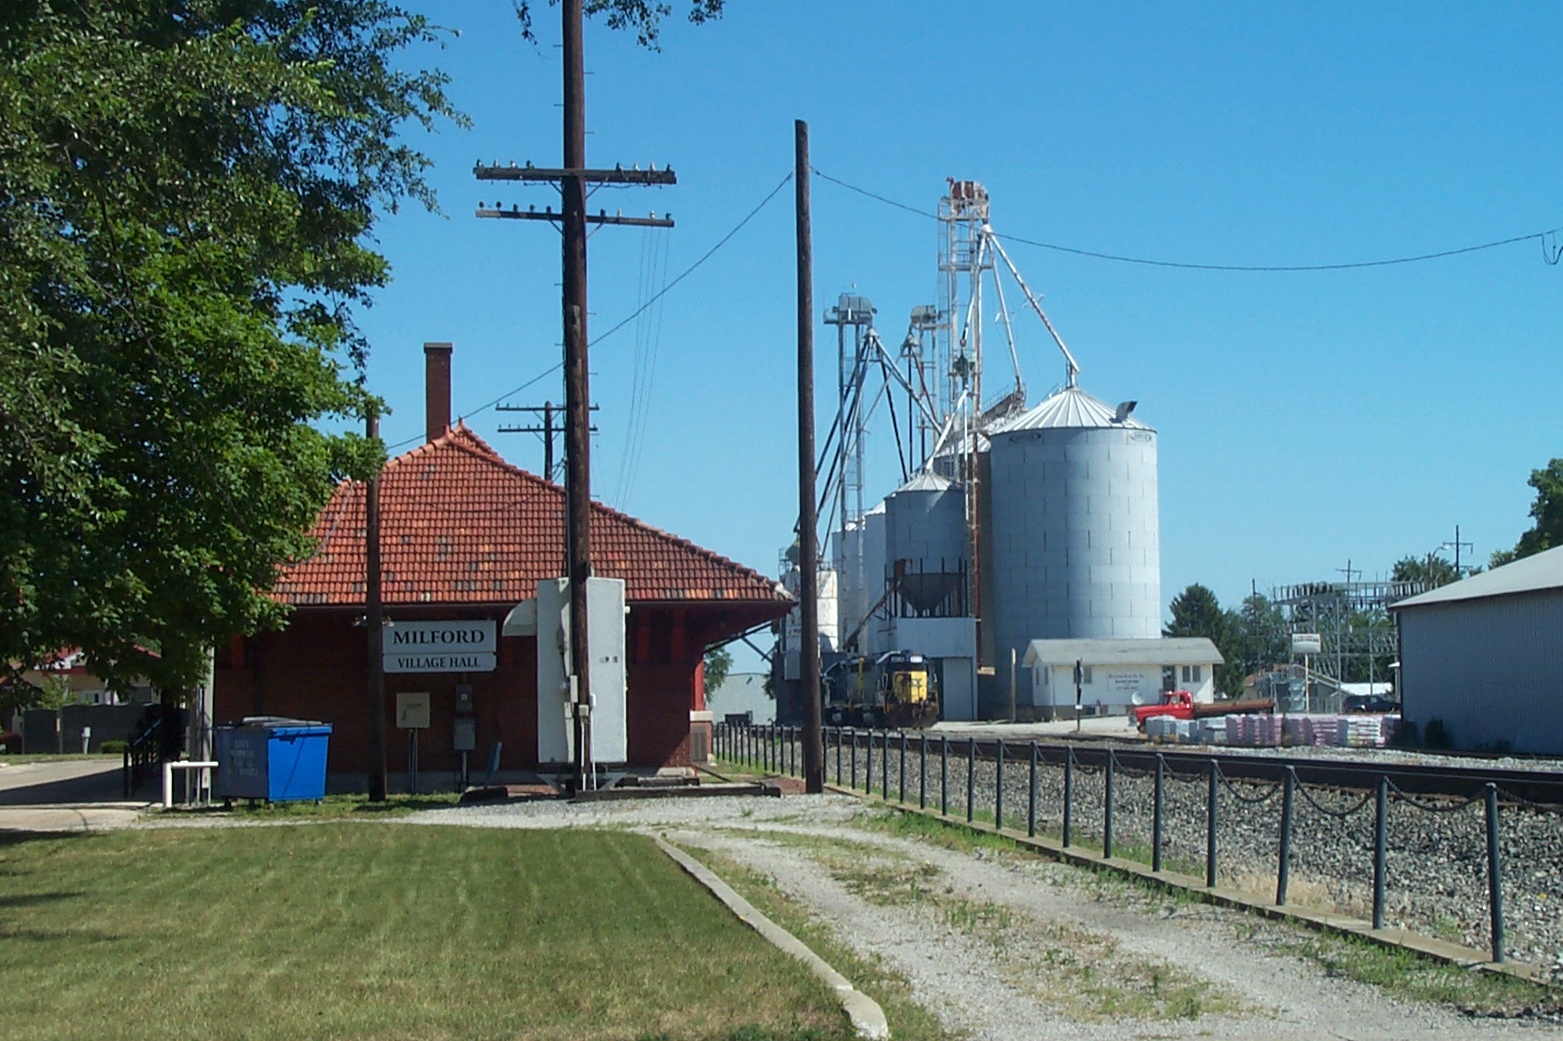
1306 419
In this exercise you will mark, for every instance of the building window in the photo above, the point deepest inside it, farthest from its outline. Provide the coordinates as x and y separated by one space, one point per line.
1192 673
1085 677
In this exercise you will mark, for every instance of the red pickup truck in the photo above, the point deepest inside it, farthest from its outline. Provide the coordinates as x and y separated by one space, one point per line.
1180 704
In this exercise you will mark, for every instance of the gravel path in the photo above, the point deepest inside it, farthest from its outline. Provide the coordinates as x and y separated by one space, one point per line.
1436 874
1001 945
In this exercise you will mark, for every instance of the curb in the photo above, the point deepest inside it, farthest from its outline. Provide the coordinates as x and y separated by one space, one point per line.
868 1019
1323 921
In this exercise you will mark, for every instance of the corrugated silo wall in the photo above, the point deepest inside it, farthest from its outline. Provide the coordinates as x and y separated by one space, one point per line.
873 546
1076 546
926 528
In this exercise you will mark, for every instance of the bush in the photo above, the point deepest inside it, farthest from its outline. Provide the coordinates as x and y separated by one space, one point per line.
114 747
1436 735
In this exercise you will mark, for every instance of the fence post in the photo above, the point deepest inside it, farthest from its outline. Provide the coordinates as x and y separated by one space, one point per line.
838 756
1212 809
853 760
971 779
922 772
884 767
1494 874
1107 807
868 763
944 775
1380 826
1283 871
901 796
1069 791
1161 769
1031 798
998 788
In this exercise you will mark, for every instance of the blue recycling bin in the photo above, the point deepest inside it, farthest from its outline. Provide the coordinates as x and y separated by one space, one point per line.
279 760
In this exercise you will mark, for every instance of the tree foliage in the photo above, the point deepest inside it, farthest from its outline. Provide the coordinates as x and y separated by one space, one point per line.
1197 612
1546 512
718 663
187 189
1432 569
644 17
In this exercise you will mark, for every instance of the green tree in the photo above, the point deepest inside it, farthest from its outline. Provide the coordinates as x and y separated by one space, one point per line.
1260 633
189 191
1546 511
1432 569
718 663
1197 612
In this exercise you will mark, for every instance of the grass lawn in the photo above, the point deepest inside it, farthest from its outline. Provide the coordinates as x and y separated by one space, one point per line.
364 930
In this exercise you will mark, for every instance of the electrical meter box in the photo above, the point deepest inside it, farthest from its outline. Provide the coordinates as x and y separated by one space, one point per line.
605 634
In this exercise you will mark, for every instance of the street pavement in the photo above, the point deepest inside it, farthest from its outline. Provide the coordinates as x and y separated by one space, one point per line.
64 795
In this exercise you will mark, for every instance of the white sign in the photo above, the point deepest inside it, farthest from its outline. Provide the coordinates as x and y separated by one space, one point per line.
412 710
449 646
1124 682
480 662
1307 643
466 636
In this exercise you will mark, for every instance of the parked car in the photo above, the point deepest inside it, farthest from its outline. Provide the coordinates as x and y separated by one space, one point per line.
1369 703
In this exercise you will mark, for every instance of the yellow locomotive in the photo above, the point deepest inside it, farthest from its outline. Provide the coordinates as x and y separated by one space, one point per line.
896 689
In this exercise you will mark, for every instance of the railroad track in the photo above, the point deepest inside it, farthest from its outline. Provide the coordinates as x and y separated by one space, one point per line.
1457 782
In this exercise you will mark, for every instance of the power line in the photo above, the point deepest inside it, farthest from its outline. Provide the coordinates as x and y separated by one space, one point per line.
1540 236
707 255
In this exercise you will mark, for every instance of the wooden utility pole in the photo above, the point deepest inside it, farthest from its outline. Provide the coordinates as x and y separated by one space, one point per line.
572 179
374 621
808 508
548 411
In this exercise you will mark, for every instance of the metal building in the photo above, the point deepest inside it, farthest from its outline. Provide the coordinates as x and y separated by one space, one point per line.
1482 658
1075 548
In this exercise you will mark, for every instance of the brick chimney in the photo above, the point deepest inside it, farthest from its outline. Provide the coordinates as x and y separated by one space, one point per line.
436 389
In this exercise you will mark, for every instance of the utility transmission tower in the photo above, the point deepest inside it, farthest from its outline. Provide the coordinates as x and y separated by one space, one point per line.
572 180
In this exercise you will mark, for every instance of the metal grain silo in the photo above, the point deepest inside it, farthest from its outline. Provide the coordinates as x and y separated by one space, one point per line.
1075 539
927 547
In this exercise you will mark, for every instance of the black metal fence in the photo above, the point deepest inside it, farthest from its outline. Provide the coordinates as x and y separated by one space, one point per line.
1191 818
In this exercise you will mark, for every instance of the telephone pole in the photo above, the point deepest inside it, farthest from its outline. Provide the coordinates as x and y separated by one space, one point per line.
374 622
808 506
548 410
572 219
1457 545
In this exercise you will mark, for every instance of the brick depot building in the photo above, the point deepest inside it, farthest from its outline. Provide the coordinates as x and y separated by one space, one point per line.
465 535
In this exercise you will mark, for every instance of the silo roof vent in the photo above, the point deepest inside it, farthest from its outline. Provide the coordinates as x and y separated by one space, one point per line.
1071 409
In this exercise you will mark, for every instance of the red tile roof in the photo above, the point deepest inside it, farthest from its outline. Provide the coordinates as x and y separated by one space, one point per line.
459 525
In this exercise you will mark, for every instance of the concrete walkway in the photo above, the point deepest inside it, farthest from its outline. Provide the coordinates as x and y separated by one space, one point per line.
67 795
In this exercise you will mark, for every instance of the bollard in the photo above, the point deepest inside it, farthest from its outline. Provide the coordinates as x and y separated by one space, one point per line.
1069 791
971 779
998 788
1380 826
922 773
1494 874
944 775
1031 798
1283 870
902 797
1161 769
1107 807
1211 811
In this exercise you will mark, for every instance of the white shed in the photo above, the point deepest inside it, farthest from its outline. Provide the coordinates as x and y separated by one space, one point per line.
1482 658
1118 673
